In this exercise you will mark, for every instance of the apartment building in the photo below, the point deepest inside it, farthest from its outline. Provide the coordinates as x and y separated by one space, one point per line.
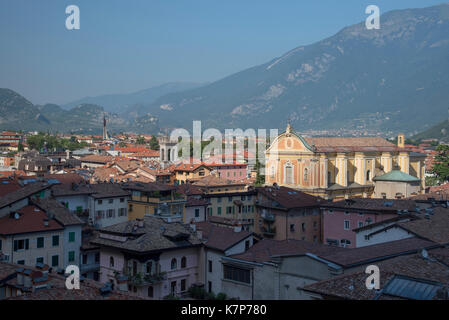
155 199
284 213
149 257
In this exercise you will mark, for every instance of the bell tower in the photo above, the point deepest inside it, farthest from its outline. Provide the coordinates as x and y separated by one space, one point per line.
168 151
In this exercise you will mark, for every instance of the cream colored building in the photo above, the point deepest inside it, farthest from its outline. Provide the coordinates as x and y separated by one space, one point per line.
337 167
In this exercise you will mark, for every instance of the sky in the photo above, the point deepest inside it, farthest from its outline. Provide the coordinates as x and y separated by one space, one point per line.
128 45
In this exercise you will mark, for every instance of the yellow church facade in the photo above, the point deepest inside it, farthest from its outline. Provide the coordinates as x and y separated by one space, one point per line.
335 167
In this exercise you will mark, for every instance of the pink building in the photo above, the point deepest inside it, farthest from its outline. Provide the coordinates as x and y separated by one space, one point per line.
149 258
234 172
339 219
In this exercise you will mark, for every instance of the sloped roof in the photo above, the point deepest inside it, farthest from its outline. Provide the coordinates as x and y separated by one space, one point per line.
396 176
31 220
155 235
58 211
266 249
289 198
221 238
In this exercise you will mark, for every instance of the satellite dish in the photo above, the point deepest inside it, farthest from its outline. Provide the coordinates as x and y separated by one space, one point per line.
424 254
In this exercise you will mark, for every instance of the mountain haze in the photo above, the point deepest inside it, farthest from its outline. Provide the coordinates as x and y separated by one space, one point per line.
387 79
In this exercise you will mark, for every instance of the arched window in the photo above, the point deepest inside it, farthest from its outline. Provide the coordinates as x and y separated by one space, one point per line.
111 262
183 262
149 267
169 154
368 175
306 174
289 173
174 264
272 171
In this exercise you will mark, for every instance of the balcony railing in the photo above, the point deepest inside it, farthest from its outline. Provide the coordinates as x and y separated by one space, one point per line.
89 267
148 279
269 232
267 216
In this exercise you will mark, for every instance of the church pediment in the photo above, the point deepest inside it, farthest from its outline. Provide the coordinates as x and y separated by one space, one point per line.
290 141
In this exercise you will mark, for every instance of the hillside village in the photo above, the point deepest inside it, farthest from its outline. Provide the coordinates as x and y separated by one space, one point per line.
140 224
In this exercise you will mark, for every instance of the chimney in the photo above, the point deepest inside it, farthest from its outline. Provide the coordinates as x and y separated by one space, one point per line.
140 223
401 140
238 228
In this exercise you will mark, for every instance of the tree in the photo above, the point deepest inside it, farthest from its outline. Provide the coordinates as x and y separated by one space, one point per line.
140 140
154 144
441 163
260 178
20 147
122 145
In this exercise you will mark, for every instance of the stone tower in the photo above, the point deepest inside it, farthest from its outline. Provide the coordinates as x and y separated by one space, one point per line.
105 131
168 151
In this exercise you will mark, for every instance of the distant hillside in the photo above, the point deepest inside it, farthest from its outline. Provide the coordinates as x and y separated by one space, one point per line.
439 131
119 103
17 113
395 78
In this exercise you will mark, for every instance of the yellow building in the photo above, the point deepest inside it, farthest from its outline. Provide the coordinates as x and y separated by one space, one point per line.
155 199
337 167
190 172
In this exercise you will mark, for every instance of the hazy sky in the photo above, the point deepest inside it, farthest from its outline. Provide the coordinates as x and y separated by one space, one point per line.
125 46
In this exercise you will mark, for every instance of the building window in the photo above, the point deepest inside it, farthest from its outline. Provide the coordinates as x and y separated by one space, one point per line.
130 208
71 236
347 213
183 285
111 200
40 260
84 259
183 262
197 213
303 227
292 228
344 243
210 265
97 257
111 262
306 174
55 241
368 175
242 198
122 200
22 262
229 210
71 256
111 213
229 199
150 292
149 267
219 211
174 264
360 224
236 274
289 173
209 286
100 201
55 261
219 199
21 244
40 242
347 225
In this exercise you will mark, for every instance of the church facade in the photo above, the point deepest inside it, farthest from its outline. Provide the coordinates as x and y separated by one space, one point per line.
337 167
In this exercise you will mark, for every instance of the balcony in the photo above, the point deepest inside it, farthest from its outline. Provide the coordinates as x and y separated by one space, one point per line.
268 232
89 267
148 279
267 216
